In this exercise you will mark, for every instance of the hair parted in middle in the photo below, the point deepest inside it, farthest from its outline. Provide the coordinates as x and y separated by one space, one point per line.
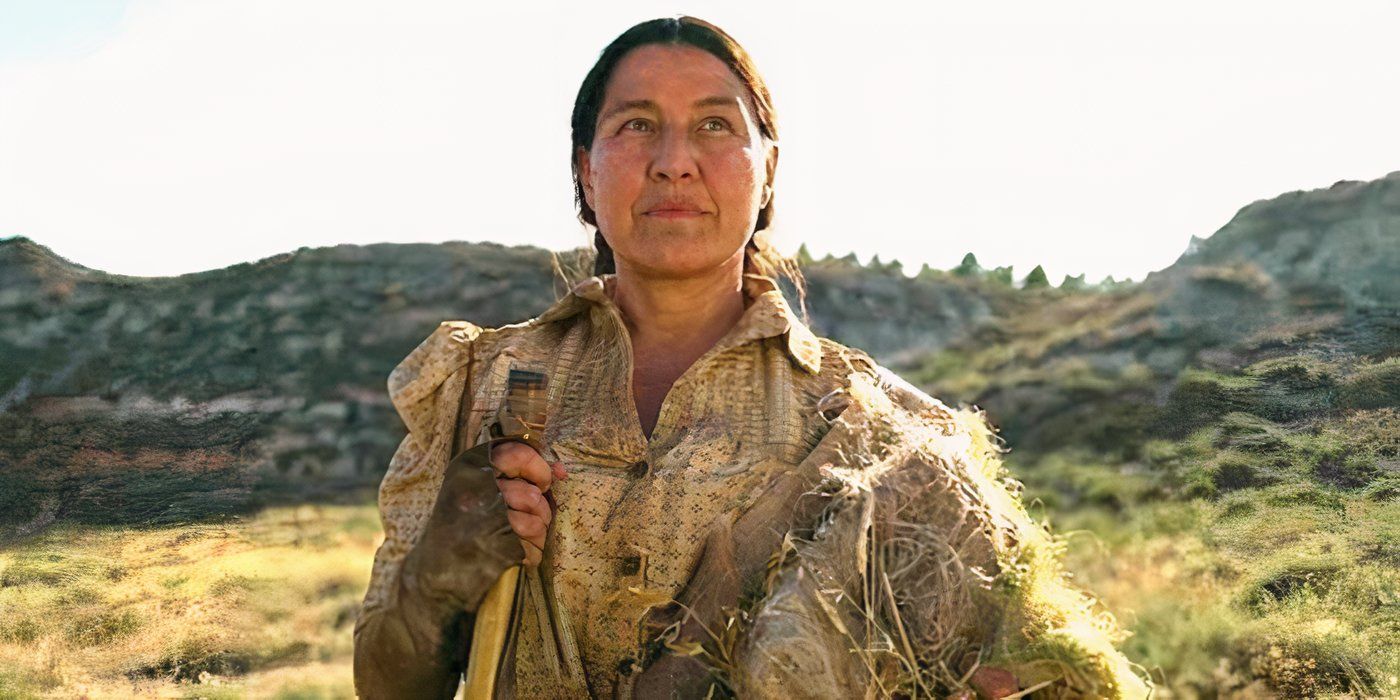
680 30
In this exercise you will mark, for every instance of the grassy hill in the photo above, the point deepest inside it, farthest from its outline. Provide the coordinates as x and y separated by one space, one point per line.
1224 442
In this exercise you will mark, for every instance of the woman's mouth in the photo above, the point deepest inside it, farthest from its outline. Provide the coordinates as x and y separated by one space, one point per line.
675 213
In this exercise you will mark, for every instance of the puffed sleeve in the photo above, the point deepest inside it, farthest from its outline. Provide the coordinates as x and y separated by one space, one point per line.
426 389
923 565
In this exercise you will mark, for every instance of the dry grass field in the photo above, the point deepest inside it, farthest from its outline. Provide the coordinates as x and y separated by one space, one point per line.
261 607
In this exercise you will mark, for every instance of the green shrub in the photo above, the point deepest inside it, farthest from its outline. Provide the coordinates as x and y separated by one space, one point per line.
1298 371
23 684
1371 386
1199 484
1236 507
184 659
232 584
1352 471
1369 588
1281 402
1386 488
1232 469
1376 431
1306 495
1250 432
1329 660
1294 578
19 628
101 627
80 594
41 567
1199 397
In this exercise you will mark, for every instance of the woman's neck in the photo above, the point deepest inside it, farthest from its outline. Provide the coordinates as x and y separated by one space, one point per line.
671 323
686 313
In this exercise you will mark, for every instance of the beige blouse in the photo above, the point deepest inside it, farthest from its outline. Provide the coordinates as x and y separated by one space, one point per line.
636 514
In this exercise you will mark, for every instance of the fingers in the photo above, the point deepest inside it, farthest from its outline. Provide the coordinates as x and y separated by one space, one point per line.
529 513
524 479
516 460
523 496
528 527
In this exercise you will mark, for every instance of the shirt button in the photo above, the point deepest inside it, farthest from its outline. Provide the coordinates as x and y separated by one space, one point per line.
628 666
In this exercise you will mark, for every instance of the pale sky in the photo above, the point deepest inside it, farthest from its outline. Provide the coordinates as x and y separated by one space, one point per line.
156 137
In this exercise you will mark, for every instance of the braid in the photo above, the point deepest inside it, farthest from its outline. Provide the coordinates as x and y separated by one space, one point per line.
603 261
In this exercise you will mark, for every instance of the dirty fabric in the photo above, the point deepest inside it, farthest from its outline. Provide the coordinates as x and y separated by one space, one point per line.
778 461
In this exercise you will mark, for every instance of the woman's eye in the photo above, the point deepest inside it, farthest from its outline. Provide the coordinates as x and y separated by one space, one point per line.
629 124
722 124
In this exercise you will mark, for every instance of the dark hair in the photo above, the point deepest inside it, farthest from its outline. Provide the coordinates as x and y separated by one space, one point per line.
695 32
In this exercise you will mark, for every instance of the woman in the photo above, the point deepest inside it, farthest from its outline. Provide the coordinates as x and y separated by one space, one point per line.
722 502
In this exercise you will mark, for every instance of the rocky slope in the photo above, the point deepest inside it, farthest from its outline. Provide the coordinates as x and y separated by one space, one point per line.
138 398
1308 274
133 399
1226 436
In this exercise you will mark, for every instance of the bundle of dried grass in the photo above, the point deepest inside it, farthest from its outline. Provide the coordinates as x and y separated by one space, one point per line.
923 566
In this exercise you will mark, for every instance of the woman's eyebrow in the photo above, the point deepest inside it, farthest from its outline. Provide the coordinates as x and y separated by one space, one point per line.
717 101
711 101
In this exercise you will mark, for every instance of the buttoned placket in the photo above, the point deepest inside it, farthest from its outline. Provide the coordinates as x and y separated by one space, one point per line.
595 289
767 316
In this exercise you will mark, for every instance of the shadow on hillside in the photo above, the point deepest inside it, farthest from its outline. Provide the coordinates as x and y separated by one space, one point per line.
31 504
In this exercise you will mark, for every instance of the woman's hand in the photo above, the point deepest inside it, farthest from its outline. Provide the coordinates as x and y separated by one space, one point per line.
415 647
524 478
992 682
989 683
489 508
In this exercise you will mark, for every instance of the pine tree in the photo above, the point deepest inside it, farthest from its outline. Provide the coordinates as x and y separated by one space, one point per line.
968 267
1073 283
1001 275
1036 279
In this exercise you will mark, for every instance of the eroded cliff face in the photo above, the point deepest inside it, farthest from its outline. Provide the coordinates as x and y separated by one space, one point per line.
163 399
1333 246
158 399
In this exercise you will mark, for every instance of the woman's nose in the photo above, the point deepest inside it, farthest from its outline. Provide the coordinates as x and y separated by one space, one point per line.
673 159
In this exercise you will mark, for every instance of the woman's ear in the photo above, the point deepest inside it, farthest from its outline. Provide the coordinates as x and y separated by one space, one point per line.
585 175
772 164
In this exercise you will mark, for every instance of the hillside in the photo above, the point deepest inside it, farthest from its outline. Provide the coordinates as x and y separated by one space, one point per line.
1225 433
128 399
1226 436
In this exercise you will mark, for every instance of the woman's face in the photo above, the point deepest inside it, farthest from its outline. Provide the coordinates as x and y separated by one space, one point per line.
678 171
